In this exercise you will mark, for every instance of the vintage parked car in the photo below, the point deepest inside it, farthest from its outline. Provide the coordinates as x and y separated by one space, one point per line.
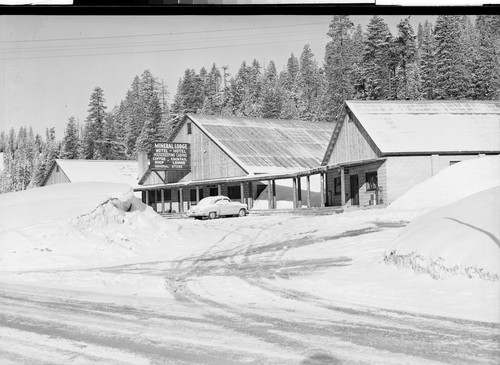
217 206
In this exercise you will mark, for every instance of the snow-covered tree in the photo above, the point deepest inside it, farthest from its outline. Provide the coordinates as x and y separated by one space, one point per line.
378 60
405 52
427 63
70 142
450 71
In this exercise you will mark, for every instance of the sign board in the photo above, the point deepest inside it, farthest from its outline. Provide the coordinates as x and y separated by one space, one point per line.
170 156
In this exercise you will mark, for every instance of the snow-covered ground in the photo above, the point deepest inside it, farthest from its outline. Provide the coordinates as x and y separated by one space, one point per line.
90 274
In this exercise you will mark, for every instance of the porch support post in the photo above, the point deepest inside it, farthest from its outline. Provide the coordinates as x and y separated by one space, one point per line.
342 187
274 195
308 183
162 192
147 197
181 201
269 194
294 180
242 193
299 192
219 189
322 189
250 198
197 194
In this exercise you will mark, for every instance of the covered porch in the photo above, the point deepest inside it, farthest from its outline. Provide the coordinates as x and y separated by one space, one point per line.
178 197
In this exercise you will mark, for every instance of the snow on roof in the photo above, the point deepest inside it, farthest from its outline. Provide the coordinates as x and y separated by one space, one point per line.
268 145
430 126
112 171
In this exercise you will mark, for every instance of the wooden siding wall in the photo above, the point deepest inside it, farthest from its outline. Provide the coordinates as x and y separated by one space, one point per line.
351 145
57 177
208 161
364 195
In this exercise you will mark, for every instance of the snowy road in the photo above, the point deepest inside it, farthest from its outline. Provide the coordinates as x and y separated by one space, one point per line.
229 304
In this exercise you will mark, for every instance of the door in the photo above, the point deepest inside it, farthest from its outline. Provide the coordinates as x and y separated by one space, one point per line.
354 190
224 206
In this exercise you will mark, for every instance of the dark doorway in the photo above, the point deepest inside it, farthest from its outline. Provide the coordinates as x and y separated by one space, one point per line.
354 190
213 192
234 192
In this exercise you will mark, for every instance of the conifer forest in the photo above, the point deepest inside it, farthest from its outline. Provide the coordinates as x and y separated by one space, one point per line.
457 57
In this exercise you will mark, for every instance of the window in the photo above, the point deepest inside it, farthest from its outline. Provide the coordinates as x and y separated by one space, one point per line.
234 192
336 185
189 131
57 168
371 181
453 162
167 194
192 195
214 192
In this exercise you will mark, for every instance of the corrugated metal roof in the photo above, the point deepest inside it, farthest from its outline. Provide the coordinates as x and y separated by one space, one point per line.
268 145
430 126
115 171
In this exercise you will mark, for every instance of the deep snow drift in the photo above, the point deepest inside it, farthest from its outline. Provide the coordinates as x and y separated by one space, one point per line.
461 235
74 225
452 184
460 238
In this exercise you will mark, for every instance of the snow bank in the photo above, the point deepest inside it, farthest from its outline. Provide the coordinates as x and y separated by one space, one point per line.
451 184
74 225
462 238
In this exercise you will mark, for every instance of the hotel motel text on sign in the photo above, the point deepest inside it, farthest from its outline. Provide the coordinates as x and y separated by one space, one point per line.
170 156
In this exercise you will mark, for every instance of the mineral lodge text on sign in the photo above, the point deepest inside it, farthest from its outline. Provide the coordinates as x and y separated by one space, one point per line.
171 155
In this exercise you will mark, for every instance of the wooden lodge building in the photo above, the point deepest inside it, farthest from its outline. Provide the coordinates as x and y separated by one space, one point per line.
372 154
407 142
237 157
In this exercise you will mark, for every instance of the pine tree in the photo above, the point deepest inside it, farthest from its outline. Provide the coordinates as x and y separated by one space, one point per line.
46 159
150 130
405 51
271 96
428 63
114 147
339 65
379 63
3 141
70 143
133 115
309 82
487 69
288 82
91 147
212 103
357 39
450 73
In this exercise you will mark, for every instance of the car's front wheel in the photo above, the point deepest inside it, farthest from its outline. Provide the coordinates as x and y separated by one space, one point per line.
242 213
212 215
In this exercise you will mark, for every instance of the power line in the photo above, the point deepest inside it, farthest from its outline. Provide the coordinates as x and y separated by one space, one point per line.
159 51
160 34
153 43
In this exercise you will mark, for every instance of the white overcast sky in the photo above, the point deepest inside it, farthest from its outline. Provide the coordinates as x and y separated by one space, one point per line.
49 65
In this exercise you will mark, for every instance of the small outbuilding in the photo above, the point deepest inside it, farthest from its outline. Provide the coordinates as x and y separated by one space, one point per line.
381 149
113 171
